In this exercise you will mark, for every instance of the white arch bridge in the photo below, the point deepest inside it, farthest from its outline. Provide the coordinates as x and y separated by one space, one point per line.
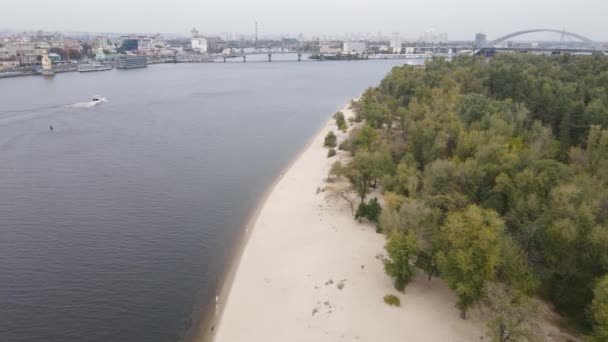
585 44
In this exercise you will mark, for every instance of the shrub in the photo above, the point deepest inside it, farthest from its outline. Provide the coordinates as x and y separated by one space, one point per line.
331 153
392 300
340 121
330 140
370 211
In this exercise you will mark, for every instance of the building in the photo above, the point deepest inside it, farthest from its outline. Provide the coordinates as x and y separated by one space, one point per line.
215 44
330 47
480 40
102 42
396 43
354 48
199 44
129 44
100 55
145 43
7 65
55 58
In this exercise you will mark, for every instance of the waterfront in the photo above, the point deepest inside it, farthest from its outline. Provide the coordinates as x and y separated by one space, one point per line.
116 224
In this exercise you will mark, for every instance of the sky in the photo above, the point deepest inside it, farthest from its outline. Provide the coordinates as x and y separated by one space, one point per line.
461 19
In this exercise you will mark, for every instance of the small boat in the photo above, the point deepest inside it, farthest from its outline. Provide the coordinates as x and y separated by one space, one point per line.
98 99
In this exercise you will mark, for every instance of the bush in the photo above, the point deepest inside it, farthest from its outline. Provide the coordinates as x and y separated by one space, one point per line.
340 121
330 140
370 211
392 300
331 153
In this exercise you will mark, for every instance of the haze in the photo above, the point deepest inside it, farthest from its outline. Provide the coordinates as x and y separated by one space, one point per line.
461 19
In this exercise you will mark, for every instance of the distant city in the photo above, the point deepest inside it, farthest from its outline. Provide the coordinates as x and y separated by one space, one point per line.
41 52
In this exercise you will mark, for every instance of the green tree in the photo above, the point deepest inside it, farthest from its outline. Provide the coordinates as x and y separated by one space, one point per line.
426 260
366 138
402 250
599 310
470 252
495 133
512 317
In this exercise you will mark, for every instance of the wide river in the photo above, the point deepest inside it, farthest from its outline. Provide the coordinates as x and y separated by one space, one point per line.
116 225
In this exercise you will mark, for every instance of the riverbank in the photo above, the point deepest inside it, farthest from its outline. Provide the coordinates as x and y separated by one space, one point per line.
309 272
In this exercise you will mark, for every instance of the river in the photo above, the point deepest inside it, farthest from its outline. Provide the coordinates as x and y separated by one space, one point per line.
115 225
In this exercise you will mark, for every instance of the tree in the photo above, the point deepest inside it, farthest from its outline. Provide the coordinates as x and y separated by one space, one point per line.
366 138
599 310
496 134
426 260
365 169
512 317
513 270
596 153
407 179
330 140
470 252
402 250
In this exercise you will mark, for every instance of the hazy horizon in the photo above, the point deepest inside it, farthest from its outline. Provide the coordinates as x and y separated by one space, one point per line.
460 20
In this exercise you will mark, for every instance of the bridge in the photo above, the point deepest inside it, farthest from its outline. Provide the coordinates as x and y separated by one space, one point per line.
586 45
244 55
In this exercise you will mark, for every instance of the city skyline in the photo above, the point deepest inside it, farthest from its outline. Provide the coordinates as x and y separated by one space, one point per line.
313 18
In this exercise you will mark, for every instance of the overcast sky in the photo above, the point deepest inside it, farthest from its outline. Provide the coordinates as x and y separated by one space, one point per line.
460 18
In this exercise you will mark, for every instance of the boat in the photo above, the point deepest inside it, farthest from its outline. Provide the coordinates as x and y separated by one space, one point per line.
98 99
47 65
132 62
90 67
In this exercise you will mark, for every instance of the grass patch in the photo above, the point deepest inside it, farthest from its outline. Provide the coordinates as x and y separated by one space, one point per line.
392 300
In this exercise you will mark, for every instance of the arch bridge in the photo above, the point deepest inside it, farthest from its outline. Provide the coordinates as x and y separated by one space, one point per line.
588 45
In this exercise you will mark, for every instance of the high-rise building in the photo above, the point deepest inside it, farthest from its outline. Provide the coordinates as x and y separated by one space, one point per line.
396 43
102 42
480 40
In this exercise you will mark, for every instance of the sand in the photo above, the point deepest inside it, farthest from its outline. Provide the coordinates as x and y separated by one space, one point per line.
303 244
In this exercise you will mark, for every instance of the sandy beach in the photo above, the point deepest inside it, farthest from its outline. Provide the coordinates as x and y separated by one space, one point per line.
302 246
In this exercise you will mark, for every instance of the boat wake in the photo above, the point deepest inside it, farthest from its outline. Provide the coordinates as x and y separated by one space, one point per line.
94 102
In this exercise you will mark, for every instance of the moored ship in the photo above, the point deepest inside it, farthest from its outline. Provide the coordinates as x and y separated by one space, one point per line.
90 67
132 62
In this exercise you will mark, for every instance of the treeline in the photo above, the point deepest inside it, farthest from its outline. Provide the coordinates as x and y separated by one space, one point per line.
494 176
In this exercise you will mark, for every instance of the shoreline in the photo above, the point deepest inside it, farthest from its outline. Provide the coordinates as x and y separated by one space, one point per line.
206 328
310 272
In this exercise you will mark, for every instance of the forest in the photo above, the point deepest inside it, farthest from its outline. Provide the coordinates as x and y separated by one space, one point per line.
493 177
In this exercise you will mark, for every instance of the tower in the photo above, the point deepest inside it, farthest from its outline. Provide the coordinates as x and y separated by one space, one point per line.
194 33
256 32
